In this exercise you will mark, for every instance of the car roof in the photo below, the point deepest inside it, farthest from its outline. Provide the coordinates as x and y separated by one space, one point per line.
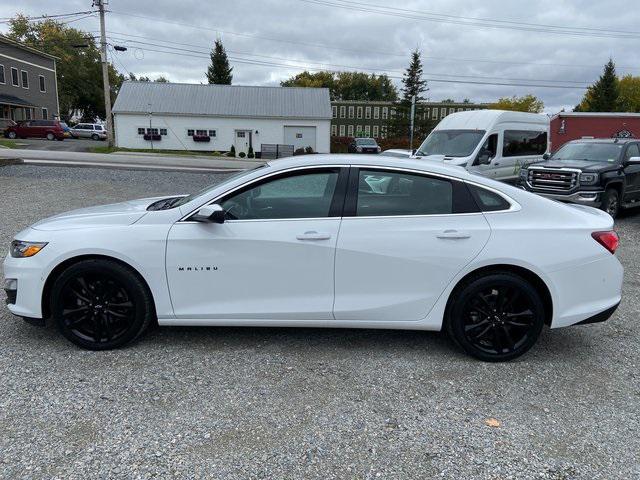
364 138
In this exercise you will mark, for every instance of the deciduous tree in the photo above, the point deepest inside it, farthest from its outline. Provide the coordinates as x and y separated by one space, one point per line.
526 103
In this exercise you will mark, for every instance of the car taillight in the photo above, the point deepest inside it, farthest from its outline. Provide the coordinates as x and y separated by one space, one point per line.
608 240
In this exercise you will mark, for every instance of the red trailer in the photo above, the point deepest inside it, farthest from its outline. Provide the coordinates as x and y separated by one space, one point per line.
567 126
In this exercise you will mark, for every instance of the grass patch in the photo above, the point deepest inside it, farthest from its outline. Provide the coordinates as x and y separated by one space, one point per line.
189 153
8 143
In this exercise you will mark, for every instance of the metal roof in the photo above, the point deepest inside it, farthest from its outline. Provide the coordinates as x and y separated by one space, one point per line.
223 100
7 99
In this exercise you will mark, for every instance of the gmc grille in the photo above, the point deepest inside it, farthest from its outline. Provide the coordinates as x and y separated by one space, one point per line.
561 180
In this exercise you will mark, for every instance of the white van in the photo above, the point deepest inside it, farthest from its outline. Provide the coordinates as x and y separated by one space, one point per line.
493 143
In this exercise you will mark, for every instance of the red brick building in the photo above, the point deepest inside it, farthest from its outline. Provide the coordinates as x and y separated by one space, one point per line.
567 126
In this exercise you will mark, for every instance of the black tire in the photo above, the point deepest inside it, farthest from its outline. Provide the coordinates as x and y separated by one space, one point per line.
611 202
12 135
99 304
95 137
50 136
495 317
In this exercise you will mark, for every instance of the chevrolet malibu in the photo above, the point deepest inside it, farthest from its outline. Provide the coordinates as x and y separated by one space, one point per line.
329 241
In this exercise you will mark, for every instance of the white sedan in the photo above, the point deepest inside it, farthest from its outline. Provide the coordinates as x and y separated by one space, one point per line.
324 241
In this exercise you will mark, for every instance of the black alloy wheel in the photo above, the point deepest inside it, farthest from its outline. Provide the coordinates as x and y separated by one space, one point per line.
496 317
100 304
611 202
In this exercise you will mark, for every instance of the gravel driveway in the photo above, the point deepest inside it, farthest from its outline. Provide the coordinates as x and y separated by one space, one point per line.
301 403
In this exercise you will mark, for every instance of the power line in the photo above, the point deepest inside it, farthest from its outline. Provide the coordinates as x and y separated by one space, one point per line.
306 62
400 13
47 17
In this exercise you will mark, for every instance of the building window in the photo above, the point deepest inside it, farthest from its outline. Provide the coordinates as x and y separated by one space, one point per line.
451 110
14 77
25 79
385 113
367 130
163 131
383 131
2 80
42 84
27 112
342 130
460 109
376 112
203 133
375 131
190 133
393 112
434 113
343 111
443 112
45 113
140 130
367 112
212 133
334 111
350 130
351 111
334 129
358 130
359 114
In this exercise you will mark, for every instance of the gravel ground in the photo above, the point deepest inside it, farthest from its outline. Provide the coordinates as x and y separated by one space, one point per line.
302 403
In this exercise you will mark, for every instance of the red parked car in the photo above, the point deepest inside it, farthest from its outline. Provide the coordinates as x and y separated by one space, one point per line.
49 129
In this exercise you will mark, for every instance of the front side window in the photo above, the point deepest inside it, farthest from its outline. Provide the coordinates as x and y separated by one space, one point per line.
632 151
25 79
385 193
301 195
517 143
451 143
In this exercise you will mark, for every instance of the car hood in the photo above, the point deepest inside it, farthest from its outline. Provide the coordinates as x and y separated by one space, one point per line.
582 165
116 214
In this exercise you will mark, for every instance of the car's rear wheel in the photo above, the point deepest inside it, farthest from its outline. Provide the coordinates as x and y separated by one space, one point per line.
611 202
12 135
495 317
51 136
99 304
95 137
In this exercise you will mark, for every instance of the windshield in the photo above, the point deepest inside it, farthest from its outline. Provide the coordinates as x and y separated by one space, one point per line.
183 200
591 152
366 141
451 143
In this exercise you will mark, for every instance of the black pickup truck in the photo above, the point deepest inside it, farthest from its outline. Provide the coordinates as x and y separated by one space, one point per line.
602 173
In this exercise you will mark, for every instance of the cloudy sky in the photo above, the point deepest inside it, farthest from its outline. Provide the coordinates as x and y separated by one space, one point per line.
475 50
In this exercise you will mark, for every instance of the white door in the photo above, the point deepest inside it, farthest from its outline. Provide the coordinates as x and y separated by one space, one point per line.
402 245
300 137
272 259
242 141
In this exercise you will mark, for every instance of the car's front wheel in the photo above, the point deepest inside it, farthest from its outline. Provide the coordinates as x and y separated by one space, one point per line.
12 135
51 136
95 137
611 202
495 317
99 304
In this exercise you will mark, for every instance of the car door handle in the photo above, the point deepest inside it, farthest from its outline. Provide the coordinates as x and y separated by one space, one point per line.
453 235
313 235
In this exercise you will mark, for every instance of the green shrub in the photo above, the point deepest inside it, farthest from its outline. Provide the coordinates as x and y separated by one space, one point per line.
308 149
241 155
232 151
250 154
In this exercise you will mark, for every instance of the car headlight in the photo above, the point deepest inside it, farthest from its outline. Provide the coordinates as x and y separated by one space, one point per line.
20 249
588 178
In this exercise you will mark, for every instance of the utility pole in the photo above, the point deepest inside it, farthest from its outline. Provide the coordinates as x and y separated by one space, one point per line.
105 71
413 113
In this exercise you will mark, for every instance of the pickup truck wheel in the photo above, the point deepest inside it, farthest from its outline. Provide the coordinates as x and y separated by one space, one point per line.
611 202
51 136
99 304
495 317
12 135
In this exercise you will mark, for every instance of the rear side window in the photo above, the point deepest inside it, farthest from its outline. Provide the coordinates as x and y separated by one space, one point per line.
517 143
487 200
391 193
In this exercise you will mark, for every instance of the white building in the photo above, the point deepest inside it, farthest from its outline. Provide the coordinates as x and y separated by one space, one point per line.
178 116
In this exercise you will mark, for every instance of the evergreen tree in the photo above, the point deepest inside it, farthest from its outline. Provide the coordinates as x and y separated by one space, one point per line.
412 79
219 71
603 95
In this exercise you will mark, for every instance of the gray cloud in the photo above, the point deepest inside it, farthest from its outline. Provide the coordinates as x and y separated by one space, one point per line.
368 40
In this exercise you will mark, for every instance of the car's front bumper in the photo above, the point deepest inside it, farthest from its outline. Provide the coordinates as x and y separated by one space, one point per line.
590 198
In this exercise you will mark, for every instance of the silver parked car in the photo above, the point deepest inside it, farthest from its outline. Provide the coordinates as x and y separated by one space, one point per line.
94 131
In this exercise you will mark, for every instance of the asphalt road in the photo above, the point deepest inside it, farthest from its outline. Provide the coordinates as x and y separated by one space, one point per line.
300 403
67 145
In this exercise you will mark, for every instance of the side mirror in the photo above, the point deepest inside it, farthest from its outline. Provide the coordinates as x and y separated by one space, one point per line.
210 214
546 156
633 161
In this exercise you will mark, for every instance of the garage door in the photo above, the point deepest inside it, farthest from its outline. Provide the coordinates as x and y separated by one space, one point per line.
300 137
